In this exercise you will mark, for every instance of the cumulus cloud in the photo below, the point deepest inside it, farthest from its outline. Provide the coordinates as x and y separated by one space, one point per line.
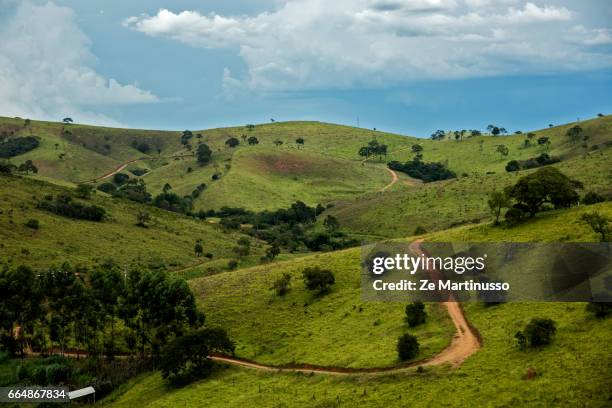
309 44
46 68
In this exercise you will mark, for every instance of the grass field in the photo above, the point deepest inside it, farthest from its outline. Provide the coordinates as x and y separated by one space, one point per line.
169 239
573 371
337 329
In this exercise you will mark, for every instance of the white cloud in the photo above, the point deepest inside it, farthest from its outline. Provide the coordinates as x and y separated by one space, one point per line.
46 68
308 44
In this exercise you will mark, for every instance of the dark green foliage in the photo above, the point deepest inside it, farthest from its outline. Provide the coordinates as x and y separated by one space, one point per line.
420 230
142 147
107 188
542 160
599 309
7 168
600 224
186 136
134 190
232 142
33 224
538 332
546 186
271 253
317 279
281 285
173 202
17 146
232 264
139 172
427 172
331 223
300 141
186 358
407 347
253 140
27 167
198 249
498 200
84 191
415 314
592 198
120 178
374 148
203 154
66 207
574 133
142 218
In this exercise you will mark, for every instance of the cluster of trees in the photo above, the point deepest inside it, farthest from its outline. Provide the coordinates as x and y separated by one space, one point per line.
457 134
496 130
532 163
373 148
122 186
7 168
315 279
142 147
17 146
65 206
533 193
408 344
292 228
419 169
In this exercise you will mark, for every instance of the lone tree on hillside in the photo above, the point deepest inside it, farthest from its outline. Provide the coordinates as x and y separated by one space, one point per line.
252 140
538 332
85 191
282 285
415 314
250 127
67 121
416 148
544 141
407 347
574 133
317 279
546 186
278 142
299 141
27 166
198 249
232 142
204 154
498 200
598 223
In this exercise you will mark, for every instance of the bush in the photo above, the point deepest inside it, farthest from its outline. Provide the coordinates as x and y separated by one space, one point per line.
427 172
120 178
64 206
592 198
107 188
17 146
407 347
139 172
415 314
33 223
281 285
538 332
599 309
419 230
232 264
318 279
514 216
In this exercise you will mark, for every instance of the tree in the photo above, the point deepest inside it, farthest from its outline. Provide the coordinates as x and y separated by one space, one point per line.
538 332
503 150
317 279
281 285
250 127
407 347
498 200
252 140
495 130
27 167
546 185
592 198
438 135
531 135
415 314
271 253
416 148
33 224
85 191
198 249
203 154
142 218
299 141
67 121
574 133
232 142
187 357
513 165
278 142
331 223
166 188
600 224
120 178
186 136
544 141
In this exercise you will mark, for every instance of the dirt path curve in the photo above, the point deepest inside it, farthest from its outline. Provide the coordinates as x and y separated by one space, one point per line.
127 163
465 343
394 179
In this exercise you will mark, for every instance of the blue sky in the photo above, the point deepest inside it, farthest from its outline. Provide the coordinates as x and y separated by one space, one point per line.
408 66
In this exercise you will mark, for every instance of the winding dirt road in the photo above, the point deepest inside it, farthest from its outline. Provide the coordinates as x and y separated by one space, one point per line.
394 179
465 343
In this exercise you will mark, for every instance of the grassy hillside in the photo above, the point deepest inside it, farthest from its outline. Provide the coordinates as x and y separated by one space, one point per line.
337 329
439 205
169 239
573 371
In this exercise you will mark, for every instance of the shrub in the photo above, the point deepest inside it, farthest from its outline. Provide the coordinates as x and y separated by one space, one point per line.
120 178
419 230
33 223
64 206
281 285
232 264
514 216
84 191
107 188
407 347
318 279
427 172
599 309
415 314
538 332
139 172
17 146
203 154
592 198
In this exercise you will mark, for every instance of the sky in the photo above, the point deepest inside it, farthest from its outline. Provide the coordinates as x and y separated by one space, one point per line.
405 66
